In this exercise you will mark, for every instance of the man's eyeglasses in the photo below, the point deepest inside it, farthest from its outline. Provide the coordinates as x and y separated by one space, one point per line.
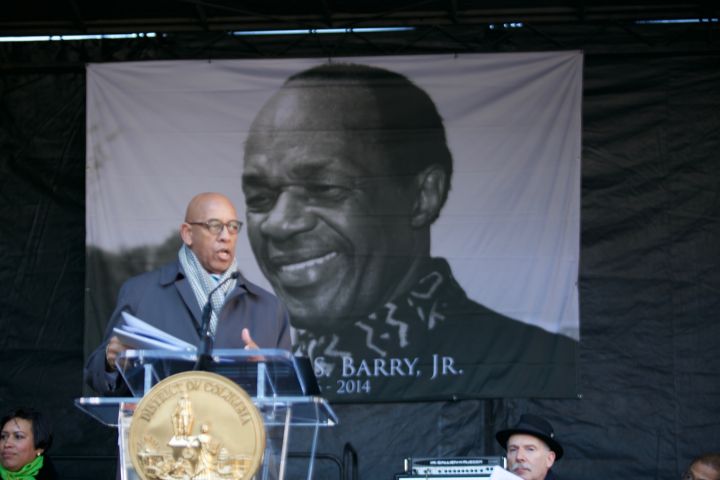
215 226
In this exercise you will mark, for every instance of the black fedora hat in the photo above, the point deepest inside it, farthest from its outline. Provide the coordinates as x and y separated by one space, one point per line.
537 427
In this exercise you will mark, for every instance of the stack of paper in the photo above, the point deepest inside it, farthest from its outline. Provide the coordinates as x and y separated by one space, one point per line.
138 334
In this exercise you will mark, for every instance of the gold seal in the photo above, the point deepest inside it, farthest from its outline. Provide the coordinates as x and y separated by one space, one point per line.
196 426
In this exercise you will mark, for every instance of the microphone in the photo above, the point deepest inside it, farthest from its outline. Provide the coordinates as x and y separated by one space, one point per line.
207 340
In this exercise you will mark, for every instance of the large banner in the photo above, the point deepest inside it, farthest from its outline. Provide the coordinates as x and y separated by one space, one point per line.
418 216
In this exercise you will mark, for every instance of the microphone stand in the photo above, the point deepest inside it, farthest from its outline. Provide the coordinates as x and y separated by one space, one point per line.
207 339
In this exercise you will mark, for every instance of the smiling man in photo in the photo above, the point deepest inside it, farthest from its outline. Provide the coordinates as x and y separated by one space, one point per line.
346 169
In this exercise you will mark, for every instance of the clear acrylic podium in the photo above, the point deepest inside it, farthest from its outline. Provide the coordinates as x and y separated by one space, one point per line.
277 381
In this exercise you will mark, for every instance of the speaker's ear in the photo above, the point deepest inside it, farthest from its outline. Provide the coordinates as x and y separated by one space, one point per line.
431 190
186 234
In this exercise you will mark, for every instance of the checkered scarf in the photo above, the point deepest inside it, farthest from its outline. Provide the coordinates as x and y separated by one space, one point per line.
202 283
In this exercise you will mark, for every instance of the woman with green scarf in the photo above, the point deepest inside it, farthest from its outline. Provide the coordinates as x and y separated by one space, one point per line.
24 439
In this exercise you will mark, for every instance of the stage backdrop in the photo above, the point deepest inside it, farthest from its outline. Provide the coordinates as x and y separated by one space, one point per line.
494 312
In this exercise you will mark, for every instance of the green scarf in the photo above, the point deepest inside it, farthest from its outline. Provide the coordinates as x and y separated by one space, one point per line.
27 472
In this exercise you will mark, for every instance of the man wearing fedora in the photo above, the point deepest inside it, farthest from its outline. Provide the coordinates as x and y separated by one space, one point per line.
531 448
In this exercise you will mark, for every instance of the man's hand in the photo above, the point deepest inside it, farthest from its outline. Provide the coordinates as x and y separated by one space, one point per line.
114 348
249 342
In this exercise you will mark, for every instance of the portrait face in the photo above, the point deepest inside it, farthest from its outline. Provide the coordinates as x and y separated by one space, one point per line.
327 222
701 471
529 457
215 252
17 444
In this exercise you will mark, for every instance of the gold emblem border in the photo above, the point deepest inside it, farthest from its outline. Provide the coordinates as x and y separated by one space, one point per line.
149 399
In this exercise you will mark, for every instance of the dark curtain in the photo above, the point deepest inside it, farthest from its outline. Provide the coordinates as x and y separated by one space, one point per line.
649 282
42 272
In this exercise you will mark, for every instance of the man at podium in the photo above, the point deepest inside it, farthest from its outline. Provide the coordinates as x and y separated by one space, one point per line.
201 290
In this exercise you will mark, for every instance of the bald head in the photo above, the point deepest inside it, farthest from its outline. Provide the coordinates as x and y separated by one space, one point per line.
201 202
704 467
215 251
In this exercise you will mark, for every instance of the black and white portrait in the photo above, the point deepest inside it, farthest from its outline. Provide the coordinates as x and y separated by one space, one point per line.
418 216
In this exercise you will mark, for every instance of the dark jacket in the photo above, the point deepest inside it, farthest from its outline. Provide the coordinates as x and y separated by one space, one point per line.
441 341
164 298
47 472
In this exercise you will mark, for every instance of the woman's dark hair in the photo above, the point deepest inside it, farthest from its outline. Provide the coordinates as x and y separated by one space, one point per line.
42 433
